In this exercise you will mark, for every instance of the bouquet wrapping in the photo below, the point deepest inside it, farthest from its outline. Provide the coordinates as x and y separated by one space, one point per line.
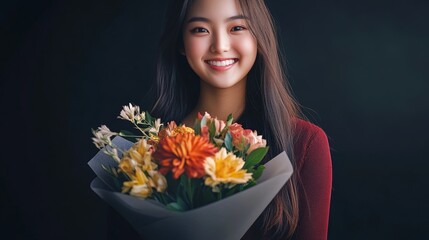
226 218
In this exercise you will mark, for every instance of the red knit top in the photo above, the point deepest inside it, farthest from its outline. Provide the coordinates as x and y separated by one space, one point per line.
314 166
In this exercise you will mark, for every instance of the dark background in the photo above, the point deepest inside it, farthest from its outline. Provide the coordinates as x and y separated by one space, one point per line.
360 69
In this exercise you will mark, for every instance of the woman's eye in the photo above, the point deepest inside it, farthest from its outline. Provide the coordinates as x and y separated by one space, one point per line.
238 28
199 30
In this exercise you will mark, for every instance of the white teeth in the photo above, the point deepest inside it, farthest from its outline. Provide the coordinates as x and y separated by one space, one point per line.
221 63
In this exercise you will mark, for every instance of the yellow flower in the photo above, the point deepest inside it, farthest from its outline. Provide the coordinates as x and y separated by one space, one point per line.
172 130
126 165
154 139
225 168
138 165
140 155
157 181
139 185
182 129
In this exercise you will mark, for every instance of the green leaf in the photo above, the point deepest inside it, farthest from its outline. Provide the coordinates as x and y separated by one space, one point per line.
117 179
249 185
246 147
197 127
255 157
182 203
148 118
185 190
196 186
258 172
207 195
228 141
125 133
229 119
175 207
203 121
212 129
231 191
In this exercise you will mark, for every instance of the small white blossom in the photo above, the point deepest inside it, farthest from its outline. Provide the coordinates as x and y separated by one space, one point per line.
140 117
105 131
115 155
158 124
98 140
113 152
130 112
102 136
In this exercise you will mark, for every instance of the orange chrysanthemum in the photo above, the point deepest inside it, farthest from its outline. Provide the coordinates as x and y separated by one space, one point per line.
184 153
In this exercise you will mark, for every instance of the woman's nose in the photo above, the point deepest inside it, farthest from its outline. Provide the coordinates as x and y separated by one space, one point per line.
220 43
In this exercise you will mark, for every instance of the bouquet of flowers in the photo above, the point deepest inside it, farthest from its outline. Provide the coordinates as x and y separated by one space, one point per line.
180 178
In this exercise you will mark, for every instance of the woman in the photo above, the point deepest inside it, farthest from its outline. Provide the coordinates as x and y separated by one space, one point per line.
222 57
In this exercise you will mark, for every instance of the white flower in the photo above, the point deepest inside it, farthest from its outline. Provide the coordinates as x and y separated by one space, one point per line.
98 139
155 128
131 113
255 141
102 136
157 124
115 155
105 131
113 152
140 117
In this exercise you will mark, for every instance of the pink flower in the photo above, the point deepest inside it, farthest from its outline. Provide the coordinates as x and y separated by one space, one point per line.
241 137
254 140
205 131
237 133
219 124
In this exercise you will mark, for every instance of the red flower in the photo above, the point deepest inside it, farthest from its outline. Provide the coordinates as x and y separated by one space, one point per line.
184 153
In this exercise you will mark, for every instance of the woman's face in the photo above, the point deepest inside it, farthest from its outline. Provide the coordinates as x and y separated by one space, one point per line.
218 44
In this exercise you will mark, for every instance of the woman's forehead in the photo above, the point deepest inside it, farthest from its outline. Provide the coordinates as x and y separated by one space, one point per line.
214 10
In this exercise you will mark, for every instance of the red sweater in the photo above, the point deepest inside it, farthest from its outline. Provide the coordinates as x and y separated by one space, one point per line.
314 167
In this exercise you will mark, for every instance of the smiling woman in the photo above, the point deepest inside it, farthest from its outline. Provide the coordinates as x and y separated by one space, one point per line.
222 57
218 44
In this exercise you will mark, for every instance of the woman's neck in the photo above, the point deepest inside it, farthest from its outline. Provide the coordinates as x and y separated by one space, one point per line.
220 102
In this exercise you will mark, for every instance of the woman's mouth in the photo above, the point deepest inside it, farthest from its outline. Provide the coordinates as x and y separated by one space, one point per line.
221 64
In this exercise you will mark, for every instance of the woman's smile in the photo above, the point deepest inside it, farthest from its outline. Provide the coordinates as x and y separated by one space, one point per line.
221 64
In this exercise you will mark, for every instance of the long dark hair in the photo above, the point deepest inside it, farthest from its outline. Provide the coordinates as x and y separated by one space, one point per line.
177 90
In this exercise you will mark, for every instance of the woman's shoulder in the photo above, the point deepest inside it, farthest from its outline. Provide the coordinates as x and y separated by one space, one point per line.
305 129
314 168
309 140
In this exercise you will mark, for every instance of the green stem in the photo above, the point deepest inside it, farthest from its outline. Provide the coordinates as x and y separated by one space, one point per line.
219 195
140 130
161 198
125 135
190 192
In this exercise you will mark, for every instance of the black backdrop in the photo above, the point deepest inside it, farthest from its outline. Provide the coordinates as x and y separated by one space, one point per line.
360 68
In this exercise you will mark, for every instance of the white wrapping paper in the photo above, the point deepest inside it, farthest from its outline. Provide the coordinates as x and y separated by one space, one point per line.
228 218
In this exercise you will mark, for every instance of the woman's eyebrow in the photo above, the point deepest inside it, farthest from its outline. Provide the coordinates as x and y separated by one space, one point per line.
203 19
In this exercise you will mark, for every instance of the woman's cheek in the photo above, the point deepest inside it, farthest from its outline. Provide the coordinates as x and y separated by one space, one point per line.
247 46
197 47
